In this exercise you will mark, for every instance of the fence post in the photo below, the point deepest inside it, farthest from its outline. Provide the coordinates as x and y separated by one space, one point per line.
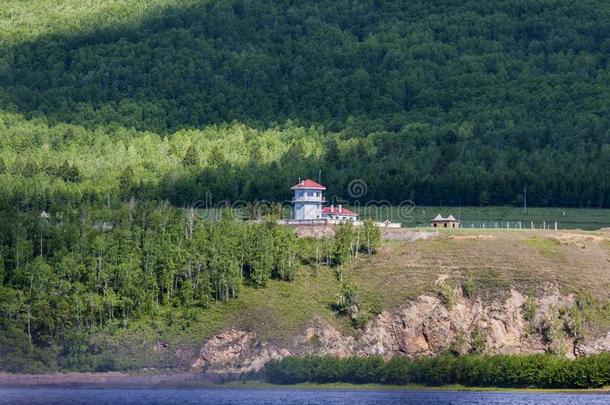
555 225
532 223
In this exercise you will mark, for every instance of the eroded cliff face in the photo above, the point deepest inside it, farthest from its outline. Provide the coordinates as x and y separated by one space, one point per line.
426 326
515 324
235 351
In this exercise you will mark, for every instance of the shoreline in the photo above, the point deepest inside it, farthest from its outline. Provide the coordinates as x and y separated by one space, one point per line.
409 387
112 379
186 380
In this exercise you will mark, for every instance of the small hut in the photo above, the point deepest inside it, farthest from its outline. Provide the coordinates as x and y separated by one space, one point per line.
440 222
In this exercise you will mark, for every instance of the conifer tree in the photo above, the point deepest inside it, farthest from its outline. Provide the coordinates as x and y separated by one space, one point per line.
191 157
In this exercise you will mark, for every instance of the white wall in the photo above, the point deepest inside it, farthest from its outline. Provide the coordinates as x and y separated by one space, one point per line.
307 211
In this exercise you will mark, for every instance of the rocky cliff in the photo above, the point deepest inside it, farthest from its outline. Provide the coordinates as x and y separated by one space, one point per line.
424 326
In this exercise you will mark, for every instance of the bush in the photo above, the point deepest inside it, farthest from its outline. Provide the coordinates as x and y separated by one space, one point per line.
347 298
575 322
469 287
447 292
106 363
554 332
478 344
543 371
529 309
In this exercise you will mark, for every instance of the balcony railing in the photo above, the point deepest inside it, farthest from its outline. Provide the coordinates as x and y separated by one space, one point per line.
309 199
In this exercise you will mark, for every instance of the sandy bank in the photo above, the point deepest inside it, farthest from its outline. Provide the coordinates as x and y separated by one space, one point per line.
111 379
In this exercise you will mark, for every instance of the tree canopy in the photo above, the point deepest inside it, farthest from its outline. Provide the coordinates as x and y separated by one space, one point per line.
439 101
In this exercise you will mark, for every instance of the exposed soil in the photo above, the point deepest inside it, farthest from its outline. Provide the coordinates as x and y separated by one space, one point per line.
472 237
112 379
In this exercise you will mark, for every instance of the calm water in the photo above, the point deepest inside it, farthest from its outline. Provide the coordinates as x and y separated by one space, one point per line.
279 396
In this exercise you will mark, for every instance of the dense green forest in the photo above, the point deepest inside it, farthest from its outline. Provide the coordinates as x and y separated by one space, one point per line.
441 102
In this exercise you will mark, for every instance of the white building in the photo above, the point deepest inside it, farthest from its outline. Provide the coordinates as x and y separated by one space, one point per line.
339 213
307 200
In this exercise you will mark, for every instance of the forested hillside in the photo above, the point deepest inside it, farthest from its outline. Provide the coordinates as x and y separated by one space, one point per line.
87 271
116 114
442 102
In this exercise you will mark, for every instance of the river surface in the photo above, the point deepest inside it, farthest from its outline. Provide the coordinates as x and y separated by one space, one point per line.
221 396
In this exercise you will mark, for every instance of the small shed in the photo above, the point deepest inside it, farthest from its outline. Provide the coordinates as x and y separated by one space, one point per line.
440 222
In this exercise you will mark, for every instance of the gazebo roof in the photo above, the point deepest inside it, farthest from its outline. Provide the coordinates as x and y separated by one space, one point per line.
439 218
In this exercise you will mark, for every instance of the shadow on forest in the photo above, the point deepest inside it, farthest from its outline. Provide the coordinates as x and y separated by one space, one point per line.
494 119
184 67
213 186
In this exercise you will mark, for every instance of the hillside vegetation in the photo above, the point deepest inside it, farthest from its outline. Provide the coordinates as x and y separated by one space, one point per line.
99 289
80 272
440 102
118 117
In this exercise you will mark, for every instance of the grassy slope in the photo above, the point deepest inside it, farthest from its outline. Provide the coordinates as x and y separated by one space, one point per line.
520 259
401 270
32 19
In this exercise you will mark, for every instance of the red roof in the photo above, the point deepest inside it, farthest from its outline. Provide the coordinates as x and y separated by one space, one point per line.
308 184
338 211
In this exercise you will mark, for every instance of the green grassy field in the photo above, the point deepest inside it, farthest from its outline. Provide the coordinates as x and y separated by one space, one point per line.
474 217
567 218
480 217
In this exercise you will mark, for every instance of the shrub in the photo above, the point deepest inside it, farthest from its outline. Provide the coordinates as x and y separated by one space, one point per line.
529 310
469 287
459 344
398 371
371 237
553 333
447 292
361 370
544 371
478 343
361 319
575 322
347 298
106 363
